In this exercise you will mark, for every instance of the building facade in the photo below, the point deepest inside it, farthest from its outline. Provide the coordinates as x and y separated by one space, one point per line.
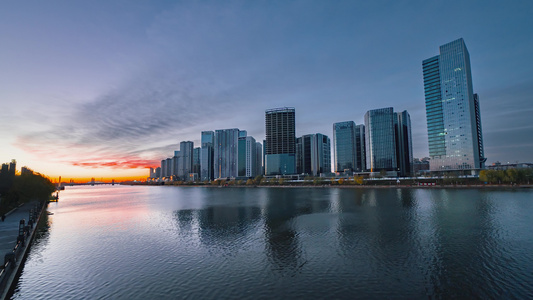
344 147
313 154
320 154
280 146
380 140
196 164
226 154
251 169
303 154
360 144
163 168
206 155
185 159
404 143
259 158
452 110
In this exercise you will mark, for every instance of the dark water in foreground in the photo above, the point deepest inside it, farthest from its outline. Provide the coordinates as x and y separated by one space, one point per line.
139 242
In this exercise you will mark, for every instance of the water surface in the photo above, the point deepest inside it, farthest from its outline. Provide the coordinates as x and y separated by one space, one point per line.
147 242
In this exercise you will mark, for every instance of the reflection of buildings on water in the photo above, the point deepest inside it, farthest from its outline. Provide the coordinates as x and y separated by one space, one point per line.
220 227
185 219
282 245
465 231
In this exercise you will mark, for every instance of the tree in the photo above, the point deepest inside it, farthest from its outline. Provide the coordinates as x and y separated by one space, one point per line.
483 176
25 188
341 181
250 182
281 181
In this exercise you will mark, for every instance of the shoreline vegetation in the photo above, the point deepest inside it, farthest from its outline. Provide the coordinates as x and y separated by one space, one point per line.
16 190
511 178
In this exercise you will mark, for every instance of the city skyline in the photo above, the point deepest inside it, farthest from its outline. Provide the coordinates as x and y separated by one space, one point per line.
108 90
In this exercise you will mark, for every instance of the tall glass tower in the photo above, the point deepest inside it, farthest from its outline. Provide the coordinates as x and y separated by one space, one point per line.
380 140
344 147
226 154
452 110
360 148
280 147
206 153
404 144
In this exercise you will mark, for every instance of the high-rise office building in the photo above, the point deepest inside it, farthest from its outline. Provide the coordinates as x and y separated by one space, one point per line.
259 158
313 154
404 144
163 168
186 159
241 155
380 140
388 141
207 152
196 165
344 147
280 148
251 157
170 167
176 163
226 154
263 170
320 154
360 157
303 154
452 110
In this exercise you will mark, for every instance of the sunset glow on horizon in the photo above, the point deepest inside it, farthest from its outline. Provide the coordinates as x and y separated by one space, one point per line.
108 90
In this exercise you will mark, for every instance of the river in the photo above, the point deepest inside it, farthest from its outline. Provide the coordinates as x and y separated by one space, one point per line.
161 242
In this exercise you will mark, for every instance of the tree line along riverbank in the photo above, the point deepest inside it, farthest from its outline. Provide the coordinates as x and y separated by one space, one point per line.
19 189
510 177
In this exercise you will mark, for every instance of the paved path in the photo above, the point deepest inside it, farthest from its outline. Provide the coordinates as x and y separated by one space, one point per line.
9 229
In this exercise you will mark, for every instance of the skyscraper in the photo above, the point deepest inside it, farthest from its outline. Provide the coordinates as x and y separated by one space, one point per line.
185 159
313 154
259 158
206 153
196 165
280 148
452 110
226 154
242 154
303 154
251 157
163 168
320 154
380 140
344 147
360 143
388 141
404 144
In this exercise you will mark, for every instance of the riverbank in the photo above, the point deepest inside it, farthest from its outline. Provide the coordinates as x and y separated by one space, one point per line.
12 248
350 186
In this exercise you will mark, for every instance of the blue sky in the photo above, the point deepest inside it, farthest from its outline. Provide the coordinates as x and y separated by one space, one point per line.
121 83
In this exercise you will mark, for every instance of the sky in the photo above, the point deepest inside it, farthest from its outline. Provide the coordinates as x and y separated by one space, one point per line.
106 89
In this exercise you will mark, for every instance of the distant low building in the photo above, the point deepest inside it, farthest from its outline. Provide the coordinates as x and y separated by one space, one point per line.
420 165
499 166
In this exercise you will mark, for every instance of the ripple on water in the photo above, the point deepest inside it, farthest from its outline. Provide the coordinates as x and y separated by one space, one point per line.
168 243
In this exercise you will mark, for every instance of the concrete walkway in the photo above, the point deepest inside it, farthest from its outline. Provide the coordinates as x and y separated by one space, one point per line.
9 231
